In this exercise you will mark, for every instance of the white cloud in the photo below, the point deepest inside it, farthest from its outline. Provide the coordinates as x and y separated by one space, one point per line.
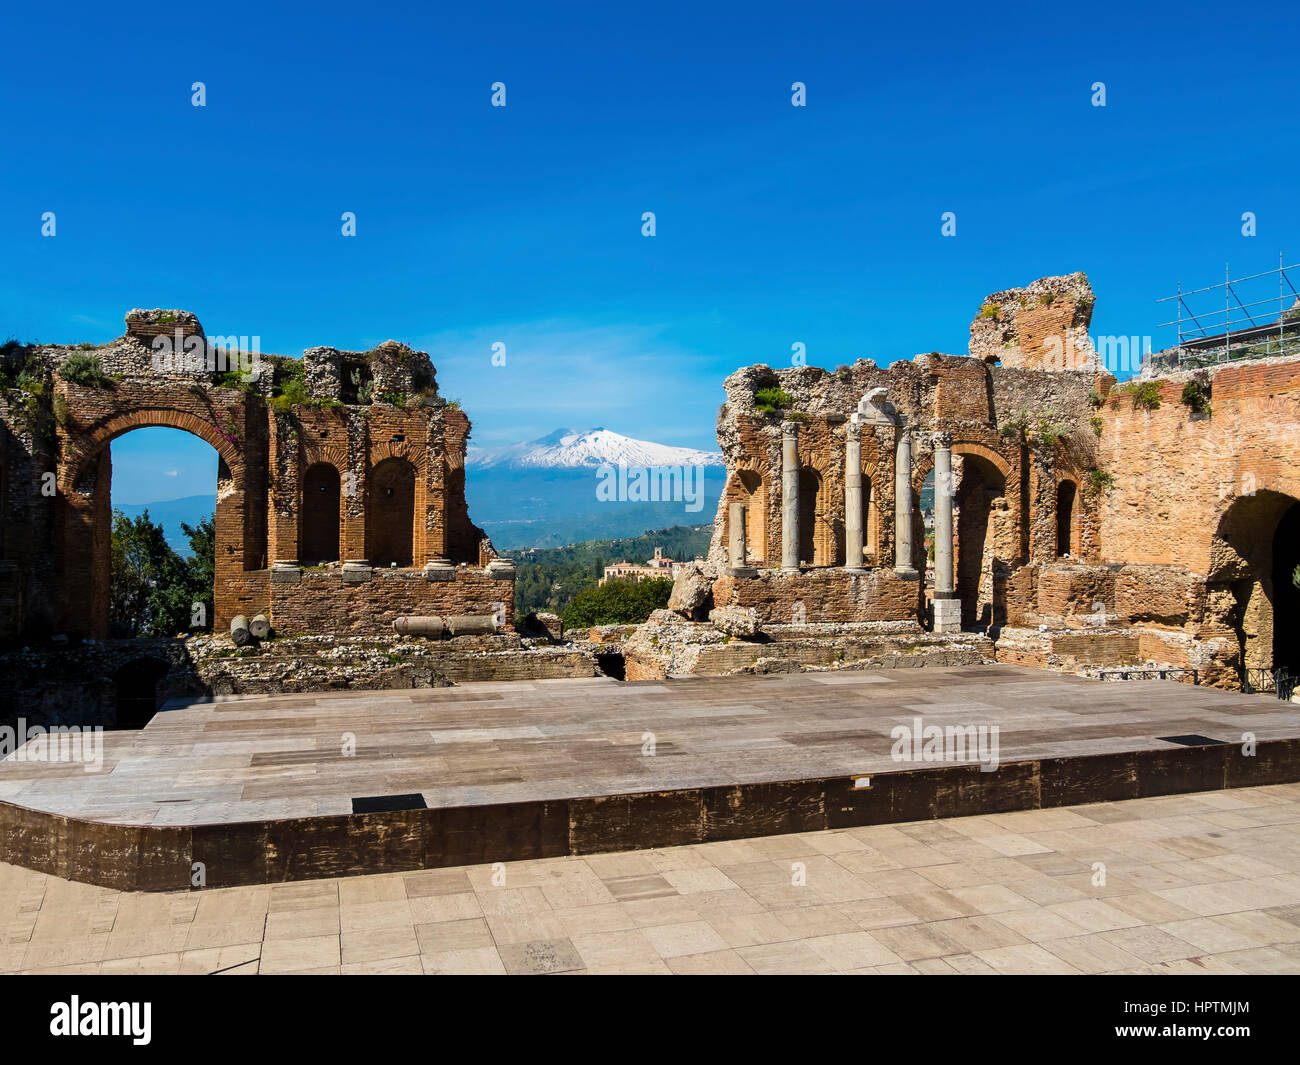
559 374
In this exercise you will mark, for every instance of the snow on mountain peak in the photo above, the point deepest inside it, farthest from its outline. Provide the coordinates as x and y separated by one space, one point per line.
569 448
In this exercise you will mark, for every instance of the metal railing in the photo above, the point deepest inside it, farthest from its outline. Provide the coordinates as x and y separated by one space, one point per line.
1275 680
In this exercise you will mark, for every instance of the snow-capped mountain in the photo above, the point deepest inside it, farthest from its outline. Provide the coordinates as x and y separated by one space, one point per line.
577 449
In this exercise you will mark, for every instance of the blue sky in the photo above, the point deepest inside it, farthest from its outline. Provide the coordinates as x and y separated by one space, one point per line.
522 224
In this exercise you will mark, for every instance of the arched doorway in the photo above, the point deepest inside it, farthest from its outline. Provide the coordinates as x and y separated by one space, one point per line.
980 576
816 545
751 492
158 549
93 457
1286 608
390 513
136 691
1250 586
1066 493
319 531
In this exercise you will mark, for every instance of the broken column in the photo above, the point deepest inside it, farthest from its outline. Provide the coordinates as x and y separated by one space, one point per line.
947 608
789 497
853 496
736 556
903 505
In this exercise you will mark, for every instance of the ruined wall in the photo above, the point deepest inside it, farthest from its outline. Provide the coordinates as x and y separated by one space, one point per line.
1016 433
1131 523
328 601
368 429
1177 473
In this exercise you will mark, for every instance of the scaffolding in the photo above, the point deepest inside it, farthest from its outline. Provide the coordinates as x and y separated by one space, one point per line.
1249 325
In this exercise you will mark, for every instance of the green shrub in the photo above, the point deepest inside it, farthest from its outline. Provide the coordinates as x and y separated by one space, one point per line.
1100 482
1194 396
990 310
1017 425
292 394
617 602
772 399
1051 430
85 370
233 379
1096 425
1147 396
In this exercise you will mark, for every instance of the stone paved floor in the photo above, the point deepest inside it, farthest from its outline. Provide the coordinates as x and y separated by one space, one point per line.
255 758
1205 883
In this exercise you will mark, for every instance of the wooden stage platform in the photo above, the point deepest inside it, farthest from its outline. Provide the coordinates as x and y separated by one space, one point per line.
264 789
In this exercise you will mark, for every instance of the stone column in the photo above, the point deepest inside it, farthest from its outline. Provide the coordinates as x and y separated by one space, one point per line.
736 554
947 607
789 497
853 496
736 534
943 575
903 505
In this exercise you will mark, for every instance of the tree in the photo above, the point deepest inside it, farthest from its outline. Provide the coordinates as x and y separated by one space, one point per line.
152 589
201 569
617 602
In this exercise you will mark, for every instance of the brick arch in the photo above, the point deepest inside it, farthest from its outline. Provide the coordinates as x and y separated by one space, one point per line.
878 480
84 518
87 446
756 503
1253 551
313 452
382 450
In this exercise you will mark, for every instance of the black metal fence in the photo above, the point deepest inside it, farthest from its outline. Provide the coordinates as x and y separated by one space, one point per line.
1278 681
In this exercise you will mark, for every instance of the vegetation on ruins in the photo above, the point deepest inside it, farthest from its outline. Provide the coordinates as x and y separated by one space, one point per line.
548 579
1147 395
1196 398
990 310
617 602
1095 399
1051 429
238 379
85 370
1100 482
1017 425
152 590
28 377
772 398
1096 424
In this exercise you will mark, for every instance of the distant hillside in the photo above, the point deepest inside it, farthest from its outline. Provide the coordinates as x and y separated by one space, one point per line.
548 579
543 507
169 513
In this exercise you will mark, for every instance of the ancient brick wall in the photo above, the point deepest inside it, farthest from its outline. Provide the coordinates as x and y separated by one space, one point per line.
324 602
368 429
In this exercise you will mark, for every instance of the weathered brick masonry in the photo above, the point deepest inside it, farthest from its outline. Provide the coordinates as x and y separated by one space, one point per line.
1093 525
340 485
